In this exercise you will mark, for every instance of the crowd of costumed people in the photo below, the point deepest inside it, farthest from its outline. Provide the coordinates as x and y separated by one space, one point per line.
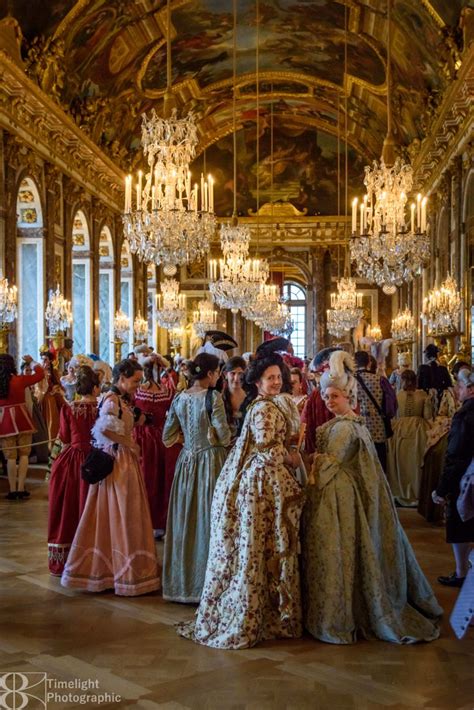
272 482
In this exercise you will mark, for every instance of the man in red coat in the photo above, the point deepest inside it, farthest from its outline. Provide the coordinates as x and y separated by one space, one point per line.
315 412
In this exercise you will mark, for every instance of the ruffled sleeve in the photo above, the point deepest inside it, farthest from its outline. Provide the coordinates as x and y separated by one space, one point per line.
108 420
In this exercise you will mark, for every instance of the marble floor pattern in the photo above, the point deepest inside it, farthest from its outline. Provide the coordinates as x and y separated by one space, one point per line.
130 647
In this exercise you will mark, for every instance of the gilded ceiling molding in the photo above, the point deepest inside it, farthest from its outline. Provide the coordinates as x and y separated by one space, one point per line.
41 124
436 17
77 10
451 129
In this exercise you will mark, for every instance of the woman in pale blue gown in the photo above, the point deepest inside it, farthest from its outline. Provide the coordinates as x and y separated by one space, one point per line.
360 575
198 416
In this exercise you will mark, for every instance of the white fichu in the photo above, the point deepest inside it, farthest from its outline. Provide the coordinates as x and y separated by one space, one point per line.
339 375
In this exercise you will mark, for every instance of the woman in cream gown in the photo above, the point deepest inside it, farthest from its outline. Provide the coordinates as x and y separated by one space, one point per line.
360 575
251 591
406 448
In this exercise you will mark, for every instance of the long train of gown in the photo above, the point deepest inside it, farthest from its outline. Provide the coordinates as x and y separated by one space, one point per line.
360 574
252 589
114 546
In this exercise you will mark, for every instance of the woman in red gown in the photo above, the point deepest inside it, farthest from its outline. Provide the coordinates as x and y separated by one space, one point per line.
67 490
157 462
16 425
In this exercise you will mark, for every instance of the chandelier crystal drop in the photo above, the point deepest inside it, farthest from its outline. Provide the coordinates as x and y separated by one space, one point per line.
58 312
171 305
279 321
346 308
235 280
176 336
121 325
204 318
8 303
140 328
442 308
265 303
403 326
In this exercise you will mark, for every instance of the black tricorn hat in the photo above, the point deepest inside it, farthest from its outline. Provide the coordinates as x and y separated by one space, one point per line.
275 345
221 340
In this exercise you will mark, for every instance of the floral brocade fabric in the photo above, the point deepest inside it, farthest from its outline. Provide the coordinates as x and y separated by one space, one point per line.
360 574
251 590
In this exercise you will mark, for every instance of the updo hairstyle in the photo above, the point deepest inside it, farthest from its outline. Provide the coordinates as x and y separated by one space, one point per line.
127 368
340 376
86 380
202 364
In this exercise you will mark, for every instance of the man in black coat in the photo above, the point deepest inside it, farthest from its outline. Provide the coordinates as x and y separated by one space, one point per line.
459 455
432 375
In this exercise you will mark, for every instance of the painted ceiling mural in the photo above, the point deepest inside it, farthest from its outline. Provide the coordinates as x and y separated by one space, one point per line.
105 62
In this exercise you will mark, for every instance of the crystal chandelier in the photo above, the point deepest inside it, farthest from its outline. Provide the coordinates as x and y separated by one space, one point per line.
403 327
58 312
386 247
266 302
374 332
279 322
170 221
8 303
140 328
235 280
204 318
171 305
442 308
346 307
121 325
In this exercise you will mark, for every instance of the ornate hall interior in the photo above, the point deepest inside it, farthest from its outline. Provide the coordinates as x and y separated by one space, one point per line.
285 114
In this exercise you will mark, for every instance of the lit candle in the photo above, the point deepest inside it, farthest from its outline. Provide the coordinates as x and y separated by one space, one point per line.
418 211
354 215
412 217
202 192
211 193
140 177
365 211
361 226
138 196
206 198
423 214
188 186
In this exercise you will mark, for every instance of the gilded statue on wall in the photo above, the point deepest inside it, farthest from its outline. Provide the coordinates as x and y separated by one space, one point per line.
45 65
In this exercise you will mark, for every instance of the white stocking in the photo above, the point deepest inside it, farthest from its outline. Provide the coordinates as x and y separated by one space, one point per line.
22 471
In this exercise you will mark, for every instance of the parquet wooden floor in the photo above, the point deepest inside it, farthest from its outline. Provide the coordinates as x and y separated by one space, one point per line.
130 648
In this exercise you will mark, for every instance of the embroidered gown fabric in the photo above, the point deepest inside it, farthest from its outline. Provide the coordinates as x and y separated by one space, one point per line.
157 462
406 448
252 589
67 490
113 547
360 575
189 514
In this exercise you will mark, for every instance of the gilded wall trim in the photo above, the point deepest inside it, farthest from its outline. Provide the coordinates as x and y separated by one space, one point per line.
29 114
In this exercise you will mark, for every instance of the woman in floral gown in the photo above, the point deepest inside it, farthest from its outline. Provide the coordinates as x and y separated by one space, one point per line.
360 575
251 591
113 547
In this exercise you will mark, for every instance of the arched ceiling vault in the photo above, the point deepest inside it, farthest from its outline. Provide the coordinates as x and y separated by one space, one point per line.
105 61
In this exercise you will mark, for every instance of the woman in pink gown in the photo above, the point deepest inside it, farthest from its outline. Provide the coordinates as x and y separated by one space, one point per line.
158 463
114 547
67 490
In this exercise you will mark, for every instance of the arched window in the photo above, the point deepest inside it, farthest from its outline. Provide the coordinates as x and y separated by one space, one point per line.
30 269
295 297
126 293
81 285
106 295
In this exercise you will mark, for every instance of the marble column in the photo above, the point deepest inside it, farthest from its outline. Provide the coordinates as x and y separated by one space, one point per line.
319 298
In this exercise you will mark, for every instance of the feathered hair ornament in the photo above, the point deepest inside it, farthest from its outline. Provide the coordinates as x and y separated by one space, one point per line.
339 375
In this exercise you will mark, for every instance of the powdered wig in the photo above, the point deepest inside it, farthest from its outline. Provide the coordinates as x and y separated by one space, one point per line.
339 375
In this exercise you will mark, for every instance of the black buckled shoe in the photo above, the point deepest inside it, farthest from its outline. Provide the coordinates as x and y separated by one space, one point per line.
13 495
23 494
452 581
